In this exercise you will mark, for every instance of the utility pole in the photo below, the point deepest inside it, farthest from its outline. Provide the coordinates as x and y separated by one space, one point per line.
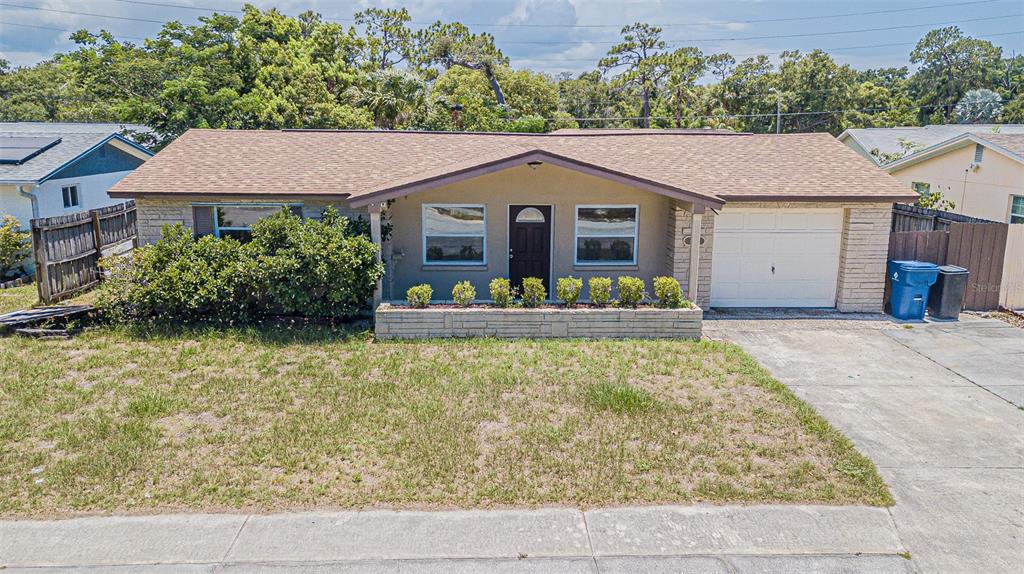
778 110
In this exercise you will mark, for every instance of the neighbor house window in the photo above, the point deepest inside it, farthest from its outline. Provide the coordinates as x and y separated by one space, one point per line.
1017 209
71 198
923 189
454 234
606 234
235 220
979 153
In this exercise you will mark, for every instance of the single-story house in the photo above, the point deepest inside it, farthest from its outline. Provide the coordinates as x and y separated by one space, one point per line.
883 145
795 220
982 173
49 169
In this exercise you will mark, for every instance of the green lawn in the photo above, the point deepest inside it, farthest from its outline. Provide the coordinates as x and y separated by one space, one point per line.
18 298
26 296
277 419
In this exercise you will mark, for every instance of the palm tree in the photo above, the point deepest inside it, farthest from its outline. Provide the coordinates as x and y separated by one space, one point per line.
391 95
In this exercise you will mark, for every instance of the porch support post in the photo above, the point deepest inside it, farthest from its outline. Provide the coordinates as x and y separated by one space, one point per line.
692 279
374 209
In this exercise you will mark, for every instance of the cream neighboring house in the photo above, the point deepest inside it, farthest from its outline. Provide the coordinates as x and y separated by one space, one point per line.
741 220
982 173
49 169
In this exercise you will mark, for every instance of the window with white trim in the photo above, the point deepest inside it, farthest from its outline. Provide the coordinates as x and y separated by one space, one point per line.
235 219
71 196
1017 209
606 234
454 234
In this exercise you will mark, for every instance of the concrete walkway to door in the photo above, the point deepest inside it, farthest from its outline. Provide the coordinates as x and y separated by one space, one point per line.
931 404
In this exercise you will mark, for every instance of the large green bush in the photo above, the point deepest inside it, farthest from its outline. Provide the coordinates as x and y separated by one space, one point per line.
292 266
181 279
313 268
14 247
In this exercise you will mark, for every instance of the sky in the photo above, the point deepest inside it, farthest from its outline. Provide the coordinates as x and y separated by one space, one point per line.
567 35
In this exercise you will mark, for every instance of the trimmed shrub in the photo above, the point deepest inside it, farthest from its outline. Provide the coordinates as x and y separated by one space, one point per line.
463 294
502 292
419 296
15 245
314 268
534 292
182 280
568 290
668 292
632 291
600 291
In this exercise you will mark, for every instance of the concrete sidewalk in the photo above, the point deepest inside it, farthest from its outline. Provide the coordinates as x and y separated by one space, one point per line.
705 539
933 405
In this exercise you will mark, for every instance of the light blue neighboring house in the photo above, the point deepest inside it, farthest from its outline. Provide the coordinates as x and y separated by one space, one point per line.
49 169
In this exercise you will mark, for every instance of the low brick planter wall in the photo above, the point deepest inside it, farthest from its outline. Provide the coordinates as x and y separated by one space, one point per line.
401 322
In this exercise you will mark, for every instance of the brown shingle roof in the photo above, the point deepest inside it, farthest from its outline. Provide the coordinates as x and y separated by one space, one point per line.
732 167
1011 142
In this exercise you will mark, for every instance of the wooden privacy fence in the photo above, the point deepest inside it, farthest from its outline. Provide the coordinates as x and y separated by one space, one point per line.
977 245
913 218
67 248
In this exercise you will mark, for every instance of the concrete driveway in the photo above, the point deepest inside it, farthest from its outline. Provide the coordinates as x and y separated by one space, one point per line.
934 405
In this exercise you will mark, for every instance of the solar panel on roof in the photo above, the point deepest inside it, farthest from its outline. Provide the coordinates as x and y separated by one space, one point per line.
18 150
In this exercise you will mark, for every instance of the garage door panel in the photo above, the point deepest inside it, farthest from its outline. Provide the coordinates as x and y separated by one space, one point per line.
757 244
801 245
760 221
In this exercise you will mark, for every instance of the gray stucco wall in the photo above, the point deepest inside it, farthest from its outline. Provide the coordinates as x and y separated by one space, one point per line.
561 188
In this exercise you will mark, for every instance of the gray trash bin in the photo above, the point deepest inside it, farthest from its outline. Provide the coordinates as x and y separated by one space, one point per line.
946 298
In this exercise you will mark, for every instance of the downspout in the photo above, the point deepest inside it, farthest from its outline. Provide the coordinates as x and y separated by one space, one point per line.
31 197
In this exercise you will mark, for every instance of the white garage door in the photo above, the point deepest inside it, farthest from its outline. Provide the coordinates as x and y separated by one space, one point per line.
776 258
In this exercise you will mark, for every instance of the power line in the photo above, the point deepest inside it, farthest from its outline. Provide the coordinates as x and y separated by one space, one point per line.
594 59
780 36
557 42
827 50
738 116
37 27
613 26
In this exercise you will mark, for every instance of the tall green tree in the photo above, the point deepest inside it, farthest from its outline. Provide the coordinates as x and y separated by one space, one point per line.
389 41
641 64
951 64
686 66
453 44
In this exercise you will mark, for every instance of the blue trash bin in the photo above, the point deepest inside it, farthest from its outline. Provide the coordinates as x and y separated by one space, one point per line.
911 281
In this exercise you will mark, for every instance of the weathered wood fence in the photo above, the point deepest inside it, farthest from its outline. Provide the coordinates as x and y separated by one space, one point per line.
946 238
67 248
913 218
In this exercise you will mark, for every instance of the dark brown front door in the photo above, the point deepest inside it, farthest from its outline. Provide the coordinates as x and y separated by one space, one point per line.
529 243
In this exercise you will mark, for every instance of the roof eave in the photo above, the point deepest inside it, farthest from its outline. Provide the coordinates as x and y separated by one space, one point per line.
524 158
895 197
205 196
